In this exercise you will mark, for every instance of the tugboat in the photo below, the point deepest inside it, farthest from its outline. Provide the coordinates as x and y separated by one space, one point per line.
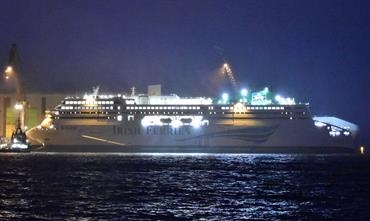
17 143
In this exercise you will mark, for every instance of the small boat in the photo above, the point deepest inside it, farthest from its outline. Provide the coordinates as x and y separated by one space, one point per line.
17 143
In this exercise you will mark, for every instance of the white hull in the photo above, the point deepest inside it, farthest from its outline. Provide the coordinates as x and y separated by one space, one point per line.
252 136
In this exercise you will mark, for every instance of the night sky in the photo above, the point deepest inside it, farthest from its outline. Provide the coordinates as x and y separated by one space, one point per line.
316 51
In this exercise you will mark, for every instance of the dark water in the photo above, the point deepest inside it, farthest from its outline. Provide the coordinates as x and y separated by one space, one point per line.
184 187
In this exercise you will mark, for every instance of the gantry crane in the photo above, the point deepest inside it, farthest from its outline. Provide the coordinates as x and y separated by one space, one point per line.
228 72
13 71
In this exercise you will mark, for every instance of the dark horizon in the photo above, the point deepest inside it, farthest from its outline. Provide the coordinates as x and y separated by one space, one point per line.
317 52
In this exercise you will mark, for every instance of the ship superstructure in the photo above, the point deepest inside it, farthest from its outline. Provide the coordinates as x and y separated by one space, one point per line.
153 122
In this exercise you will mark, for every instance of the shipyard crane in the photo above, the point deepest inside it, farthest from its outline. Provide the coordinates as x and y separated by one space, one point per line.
229 74
13 71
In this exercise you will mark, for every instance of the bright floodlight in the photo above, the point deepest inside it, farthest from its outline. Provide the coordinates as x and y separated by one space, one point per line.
225 97
18 106
244 92
278 97
9 69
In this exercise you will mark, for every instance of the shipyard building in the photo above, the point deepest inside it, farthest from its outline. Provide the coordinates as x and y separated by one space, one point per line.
34 110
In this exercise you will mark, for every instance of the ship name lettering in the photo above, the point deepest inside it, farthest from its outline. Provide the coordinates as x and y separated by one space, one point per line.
182 131
126 131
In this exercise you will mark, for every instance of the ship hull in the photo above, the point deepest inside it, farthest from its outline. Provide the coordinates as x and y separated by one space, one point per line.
300 136
194 149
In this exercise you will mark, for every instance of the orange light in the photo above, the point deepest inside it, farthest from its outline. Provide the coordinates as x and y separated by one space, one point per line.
362 150
9 69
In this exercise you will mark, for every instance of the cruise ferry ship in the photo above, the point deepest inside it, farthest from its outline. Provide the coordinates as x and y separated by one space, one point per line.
154 123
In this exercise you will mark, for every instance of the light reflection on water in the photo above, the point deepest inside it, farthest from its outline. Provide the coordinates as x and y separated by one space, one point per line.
184 186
